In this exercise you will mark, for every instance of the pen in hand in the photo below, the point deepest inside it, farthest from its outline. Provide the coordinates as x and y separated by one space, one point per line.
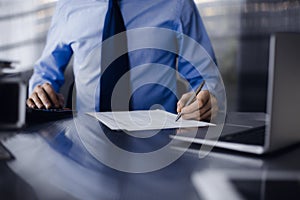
191 99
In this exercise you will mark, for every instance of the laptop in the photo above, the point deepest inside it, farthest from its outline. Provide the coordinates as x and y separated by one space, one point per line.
281 127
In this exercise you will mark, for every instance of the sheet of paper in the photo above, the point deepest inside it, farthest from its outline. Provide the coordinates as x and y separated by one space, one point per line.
144 120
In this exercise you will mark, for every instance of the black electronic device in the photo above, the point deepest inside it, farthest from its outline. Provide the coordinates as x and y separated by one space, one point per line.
12 103
44 115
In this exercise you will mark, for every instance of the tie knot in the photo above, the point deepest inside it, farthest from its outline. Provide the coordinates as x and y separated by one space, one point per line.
113 3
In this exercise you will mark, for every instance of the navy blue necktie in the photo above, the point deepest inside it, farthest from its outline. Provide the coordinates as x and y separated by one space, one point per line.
113 25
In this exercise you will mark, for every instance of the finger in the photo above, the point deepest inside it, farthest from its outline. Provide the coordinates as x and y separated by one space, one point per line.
209 109
42 95
193 111
51 95
205 108
36 100
30 103
182 101
192 116
202 103
203 97
214 111
61 100
196 113
191 108
214 107
206 116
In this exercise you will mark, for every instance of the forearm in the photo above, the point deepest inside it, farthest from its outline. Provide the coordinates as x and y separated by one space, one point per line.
39 79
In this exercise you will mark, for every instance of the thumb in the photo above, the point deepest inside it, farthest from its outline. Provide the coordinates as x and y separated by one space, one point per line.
182 101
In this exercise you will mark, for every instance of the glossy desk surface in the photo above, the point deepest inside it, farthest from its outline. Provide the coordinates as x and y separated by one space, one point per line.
68 159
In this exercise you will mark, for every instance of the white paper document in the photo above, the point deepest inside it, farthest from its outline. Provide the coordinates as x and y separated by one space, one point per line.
144 120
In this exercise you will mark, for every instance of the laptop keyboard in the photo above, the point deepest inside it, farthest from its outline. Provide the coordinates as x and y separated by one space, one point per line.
251 137
44 115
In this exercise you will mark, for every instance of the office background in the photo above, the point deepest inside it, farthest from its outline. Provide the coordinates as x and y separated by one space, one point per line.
239 31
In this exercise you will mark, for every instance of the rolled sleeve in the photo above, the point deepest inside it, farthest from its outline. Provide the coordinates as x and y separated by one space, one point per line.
191 25
56 55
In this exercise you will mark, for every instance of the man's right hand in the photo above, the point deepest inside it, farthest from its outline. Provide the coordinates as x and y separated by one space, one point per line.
44 96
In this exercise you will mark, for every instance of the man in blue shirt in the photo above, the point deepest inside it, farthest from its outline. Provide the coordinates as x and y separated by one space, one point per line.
76 31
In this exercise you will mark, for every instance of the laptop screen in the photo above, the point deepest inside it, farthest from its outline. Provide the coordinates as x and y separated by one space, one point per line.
283 90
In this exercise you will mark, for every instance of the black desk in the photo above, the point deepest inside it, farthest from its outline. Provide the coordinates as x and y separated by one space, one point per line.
68 159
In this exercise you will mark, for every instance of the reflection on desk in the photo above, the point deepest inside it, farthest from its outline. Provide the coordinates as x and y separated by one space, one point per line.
60 161
70 159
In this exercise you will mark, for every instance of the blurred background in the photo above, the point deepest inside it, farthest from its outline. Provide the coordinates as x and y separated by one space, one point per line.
239 32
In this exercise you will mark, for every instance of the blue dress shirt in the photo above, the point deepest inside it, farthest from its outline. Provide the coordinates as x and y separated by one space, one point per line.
76 30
